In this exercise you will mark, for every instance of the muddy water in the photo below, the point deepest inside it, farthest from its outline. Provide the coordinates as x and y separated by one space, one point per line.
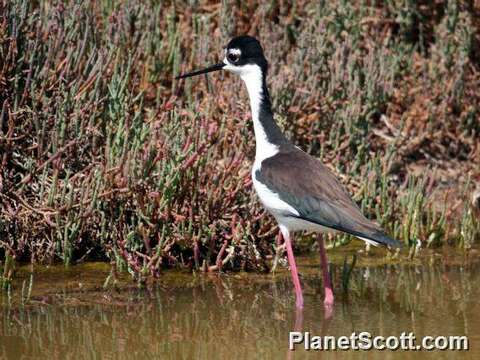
68 314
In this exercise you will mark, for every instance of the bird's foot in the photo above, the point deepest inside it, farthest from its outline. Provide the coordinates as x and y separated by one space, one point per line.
328 304
299 302
329 300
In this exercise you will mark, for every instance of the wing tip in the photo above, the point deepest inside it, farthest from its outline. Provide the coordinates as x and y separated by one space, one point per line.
377 237
382 239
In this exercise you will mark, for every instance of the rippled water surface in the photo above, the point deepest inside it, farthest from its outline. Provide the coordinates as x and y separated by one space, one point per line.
69 315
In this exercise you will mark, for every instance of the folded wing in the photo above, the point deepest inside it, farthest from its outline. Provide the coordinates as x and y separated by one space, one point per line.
306 184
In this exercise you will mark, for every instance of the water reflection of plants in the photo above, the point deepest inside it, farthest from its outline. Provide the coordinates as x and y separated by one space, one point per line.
191 316
101 159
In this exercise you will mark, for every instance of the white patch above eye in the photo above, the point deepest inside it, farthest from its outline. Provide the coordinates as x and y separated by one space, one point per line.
235 51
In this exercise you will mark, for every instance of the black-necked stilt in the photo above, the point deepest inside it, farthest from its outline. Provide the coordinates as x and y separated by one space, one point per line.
297 189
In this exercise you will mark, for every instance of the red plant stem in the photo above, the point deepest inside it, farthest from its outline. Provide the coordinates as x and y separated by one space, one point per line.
220 255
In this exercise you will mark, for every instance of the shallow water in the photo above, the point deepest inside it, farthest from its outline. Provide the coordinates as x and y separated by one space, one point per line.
241 316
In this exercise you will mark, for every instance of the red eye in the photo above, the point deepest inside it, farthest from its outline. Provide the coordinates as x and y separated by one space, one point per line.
233 57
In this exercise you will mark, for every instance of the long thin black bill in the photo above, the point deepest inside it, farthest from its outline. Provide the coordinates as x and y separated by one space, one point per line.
215 67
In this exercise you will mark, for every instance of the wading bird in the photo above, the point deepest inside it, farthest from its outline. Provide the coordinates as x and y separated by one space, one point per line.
297 189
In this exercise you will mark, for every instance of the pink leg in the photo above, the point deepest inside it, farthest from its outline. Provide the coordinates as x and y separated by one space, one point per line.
326 276
293 269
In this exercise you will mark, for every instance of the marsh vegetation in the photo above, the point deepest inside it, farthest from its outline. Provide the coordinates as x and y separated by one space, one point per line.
103 156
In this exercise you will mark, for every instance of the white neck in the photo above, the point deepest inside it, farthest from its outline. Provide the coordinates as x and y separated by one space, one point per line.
252 76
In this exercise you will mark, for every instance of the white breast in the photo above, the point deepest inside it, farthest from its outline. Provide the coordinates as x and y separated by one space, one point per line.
270 199
281 210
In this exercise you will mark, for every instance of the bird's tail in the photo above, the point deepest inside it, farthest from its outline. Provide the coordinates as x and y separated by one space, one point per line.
379 238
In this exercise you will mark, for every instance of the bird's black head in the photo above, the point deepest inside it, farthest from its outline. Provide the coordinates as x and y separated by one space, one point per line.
241 54
244 50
